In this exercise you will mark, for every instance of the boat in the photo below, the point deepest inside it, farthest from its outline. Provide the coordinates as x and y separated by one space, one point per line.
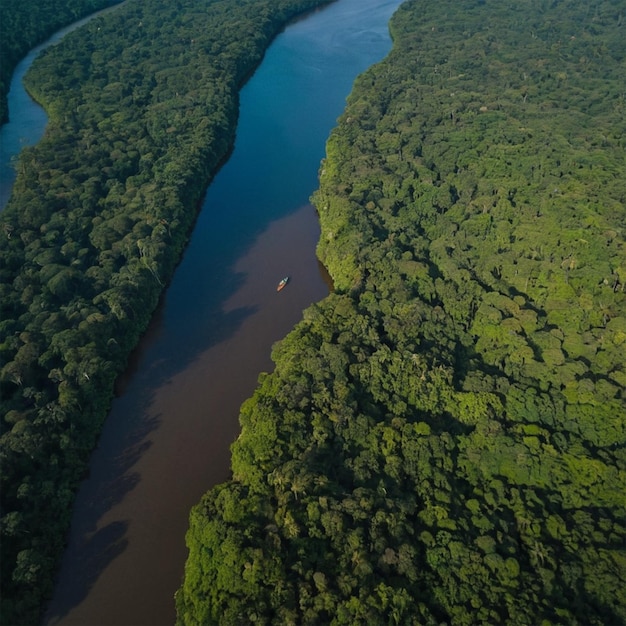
282 283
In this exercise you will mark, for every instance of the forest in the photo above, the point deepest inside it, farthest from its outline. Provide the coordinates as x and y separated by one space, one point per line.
26 23
442 440
142 105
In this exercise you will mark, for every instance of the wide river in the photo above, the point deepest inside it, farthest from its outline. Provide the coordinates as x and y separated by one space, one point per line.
167 438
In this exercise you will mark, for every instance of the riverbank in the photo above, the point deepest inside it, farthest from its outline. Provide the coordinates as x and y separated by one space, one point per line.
24 25
28 120
169 435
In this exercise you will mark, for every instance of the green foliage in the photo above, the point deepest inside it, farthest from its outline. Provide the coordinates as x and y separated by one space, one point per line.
26 23
97 221
442 438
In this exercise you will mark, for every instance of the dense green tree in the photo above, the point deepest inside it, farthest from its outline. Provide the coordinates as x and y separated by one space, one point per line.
26 23
442 438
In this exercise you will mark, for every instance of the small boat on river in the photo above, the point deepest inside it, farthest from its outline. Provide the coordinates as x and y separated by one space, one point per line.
282 283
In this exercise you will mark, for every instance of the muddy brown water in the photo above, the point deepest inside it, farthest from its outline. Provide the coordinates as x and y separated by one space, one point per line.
164 444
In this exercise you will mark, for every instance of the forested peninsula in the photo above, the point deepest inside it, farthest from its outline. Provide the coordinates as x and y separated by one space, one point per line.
26 23
442 438
142 107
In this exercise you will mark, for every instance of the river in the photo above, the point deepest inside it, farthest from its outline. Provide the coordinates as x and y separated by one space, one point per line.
166 440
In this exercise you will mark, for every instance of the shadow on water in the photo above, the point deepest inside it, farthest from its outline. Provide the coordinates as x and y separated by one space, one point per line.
100 549
163 359
128 436
92 549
